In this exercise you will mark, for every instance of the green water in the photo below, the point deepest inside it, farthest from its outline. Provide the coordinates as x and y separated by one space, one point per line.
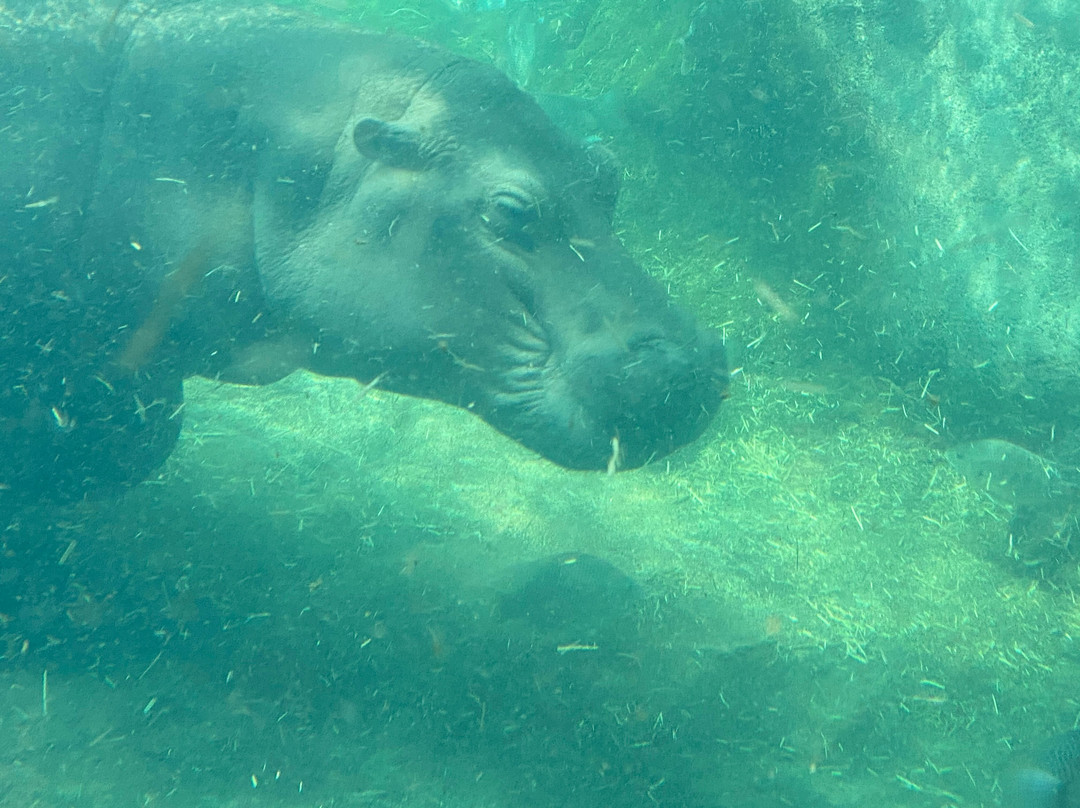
329 598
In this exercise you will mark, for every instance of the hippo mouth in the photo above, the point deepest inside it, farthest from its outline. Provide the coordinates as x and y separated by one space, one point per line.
601 402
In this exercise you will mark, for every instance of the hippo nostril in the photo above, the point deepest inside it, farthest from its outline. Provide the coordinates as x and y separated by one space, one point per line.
650 349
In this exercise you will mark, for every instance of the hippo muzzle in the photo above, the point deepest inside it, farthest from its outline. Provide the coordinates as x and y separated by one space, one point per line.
612 399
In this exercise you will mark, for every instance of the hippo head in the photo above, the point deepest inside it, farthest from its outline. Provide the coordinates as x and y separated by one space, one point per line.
459 247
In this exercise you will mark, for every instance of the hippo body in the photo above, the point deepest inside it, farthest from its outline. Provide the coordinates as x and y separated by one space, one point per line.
240 192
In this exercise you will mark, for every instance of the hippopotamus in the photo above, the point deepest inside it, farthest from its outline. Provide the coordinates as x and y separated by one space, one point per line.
240 192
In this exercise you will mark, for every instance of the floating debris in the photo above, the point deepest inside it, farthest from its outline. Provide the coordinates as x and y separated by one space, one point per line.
1044 520
1008 473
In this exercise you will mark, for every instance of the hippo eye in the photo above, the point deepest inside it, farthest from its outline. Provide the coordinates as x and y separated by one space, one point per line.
510 215
517 205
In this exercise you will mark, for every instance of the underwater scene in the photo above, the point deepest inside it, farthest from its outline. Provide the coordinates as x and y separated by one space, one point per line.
540 403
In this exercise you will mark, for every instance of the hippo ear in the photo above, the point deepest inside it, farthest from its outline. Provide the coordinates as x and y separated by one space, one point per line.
390 143
607 174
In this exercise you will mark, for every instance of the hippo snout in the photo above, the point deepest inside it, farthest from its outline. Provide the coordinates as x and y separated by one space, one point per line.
618 403
656 394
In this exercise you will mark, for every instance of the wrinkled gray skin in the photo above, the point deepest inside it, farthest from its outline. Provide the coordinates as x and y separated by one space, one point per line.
241 192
